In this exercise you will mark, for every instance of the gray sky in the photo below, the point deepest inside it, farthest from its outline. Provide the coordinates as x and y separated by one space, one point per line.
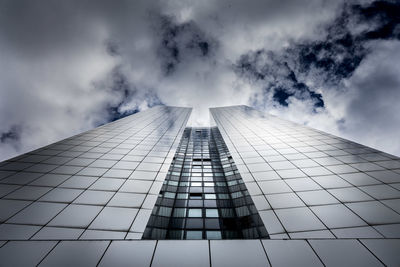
69 66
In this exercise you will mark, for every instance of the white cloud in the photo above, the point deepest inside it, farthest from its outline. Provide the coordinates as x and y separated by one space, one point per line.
372 114
57 67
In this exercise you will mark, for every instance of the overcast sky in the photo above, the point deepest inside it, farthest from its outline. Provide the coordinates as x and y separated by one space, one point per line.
69 66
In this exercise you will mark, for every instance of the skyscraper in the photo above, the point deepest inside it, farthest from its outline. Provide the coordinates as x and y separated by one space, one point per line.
252 189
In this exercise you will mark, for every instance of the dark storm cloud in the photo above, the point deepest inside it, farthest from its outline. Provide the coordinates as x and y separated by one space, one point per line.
121 86
341 52
385 16
125 92
12 137
67 66
279 78
327 62
57 68
182 42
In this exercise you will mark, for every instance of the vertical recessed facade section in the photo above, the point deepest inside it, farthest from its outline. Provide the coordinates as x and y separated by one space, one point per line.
203 196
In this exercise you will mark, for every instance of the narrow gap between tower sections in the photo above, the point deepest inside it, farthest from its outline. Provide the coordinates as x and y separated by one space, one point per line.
203 195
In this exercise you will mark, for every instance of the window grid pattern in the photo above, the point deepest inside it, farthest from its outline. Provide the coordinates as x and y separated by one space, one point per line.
101 184
309 184
203 196
216 253
332 181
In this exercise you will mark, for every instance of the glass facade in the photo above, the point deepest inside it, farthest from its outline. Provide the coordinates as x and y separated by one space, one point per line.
309 184
203 196
278 193
101 184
